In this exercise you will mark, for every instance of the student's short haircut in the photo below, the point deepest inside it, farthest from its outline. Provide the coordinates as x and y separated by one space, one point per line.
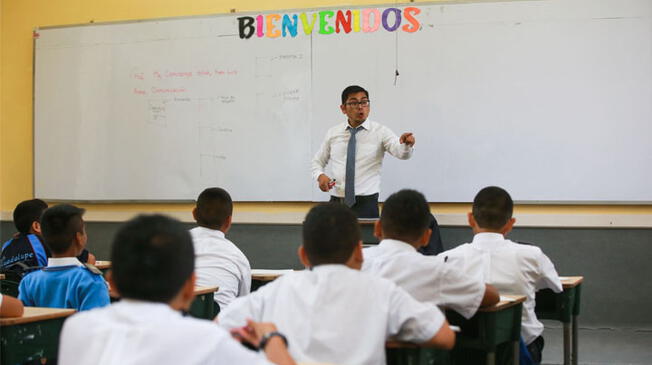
151 258
28 212
59 224
492 208
405 216
353 89
214 206
330 233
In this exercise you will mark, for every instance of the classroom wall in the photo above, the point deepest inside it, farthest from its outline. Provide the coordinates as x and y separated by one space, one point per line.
18 18
614 260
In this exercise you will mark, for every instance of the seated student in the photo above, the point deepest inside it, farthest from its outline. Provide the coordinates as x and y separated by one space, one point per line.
152 270
218 262
332 312
10 306
65 282
403 227
511 267
26 246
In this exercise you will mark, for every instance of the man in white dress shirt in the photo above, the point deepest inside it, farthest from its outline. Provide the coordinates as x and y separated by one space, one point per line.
152 270
332 312
218 262
511 267
355 151
403 227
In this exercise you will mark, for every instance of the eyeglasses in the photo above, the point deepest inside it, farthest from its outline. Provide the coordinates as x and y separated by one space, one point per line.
363 103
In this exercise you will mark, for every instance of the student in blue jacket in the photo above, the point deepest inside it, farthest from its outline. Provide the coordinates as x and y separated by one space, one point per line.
65 282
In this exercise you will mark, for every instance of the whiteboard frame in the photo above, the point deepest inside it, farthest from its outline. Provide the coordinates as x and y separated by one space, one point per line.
232 12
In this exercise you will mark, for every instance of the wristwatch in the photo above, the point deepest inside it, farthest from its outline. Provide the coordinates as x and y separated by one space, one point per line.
268 336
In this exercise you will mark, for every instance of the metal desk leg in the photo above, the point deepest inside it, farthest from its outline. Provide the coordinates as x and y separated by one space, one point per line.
517 352
491 358
575 330
567 343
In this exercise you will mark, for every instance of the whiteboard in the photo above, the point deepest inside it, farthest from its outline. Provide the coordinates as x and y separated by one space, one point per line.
550 99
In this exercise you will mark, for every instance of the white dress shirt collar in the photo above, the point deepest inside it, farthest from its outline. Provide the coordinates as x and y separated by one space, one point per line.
328 268
213 232
396 246
366 125
488 239
144 310
63 261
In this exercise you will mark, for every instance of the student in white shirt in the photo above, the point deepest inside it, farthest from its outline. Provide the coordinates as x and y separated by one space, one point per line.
403 229
511 267
218 262
332 312
152 270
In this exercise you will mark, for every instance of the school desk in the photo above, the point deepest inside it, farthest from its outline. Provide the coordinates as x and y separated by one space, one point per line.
33 336
563 307
408 353
103 265
367 231
260 277
489 327
204 305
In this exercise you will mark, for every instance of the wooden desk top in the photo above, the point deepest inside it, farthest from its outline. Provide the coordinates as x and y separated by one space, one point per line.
199 290
571 281
34 314
100 264
267 275
2 276
503 304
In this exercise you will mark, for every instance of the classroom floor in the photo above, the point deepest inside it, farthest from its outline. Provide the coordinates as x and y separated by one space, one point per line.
600 346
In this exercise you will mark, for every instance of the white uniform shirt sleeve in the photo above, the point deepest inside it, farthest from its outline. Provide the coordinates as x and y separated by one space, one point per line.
392 145
410 320
321 158
229 288
548 277
461 292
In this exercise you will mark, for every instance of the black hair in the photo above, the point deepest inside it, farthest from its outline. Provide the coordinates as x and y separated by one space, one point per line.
59 225
405 216
151 258
492 208
28 212
214 206
330 234
353 89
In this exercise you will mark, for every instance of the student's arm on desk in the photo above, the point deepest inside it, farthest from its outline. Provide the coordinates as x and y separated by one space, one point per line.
444 338
491 296
413 321
548 277
276 350
10 306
